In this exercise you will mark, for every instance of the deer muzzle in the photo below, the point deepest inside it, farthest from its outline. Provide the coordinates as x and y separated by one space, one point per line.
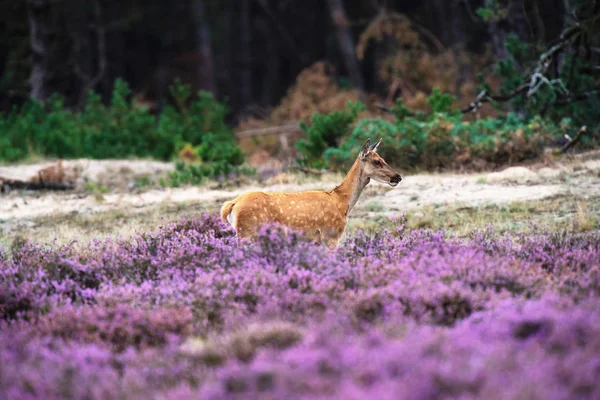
394 181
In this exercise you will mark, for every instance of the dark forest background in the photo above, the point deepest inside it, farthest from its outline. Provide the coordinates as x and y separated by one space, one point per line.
246 51
447 83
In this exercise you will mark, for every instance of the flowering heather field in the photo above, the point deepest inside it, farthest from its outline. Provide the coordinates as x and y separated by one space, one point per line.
190 312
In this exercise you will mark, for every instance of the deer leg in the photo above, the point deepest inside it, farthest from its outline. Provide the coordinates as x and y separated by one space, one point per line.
332 243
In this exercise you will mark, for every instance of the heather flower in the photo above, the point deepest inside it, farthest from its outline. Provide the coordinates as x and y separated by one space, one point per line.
190 311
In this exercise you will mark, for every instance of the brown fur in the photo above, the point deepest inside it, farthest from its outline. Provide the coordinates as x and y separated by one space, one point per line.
320 215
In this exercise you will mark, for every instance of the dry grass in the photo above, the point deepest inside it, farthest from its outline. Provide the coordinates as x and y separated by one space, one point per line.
587 217
123 223
561 212
576 208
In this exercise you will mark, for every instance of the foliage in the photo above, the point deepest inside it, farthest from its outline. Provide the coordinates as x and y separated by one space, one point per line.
324 131
445 140
570 75
492 11
192 312
440 102
315 90
417 62
195 174
121 129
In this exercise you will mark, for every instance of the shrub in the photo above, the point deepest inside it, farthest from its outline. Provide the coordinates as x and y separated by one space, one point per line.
195 174
122 130
444 140
325 131
570 77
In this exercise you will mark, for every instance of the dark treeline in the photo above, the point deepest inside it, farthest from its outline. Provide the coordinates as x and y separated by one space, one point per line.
246 51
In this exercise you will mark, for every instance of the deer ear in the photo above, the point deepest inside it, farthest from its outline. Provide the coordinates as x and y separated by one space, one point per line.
376 145
365 149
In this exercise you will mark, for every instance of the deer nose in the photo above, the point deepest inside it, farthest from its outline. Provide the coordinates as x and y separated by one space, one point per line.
396 179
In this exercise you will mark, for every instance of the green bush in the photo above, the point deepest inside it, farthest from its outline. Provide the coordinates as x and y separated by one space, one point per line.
440 102
122 130
324 131
444 140
343 156
195 174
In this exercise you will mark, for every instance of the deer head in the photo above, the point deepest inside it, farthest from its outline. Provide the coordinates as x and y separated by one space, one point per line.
374 167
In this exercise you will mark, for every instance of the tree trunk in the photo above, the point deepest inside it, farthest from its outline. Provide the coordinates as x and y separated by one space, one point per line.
86 52
206 73
445 10
460 39
42 33
271 78
515 22
246 54
117 54
78 26
346 43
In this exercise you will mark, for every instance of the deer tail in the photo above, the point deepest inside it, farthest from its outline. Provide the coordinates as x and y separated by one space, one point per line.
226 210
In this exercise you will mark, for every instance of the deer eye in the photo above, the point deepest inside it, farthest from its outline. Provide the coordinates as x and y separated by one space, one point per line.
378 163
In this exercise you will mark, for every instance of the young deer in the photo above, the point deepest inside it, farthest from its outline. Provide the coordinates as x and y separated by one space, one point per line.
322 216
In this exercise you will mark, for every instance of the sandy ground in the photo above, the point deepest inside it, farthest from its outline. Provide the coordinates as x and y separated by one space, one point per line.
25 210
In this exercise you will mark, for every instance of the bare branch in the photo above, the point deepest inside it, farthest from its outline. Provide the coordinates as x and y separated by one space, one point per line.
573 142
383 107
577 97
485 97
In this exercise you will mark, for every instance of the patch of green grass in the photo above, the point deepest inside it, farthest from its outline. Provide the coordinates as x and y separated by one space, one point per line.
143 182
97 190
96 187
374 206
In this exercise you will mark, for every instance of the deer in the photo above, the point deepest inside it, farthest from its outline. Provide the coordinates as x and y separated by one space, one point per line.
320 215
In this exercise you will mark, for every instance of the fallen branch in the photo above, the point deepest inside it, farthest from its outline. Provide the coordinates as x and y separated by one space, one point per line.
6 185
573 142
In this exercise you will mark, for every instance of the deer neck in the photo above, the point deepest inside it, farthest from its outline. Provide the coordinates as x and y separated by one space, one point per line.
349 190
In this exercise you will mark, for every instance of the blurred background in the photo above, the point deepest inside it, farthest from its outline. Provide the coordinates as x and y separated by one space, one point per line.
264 64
